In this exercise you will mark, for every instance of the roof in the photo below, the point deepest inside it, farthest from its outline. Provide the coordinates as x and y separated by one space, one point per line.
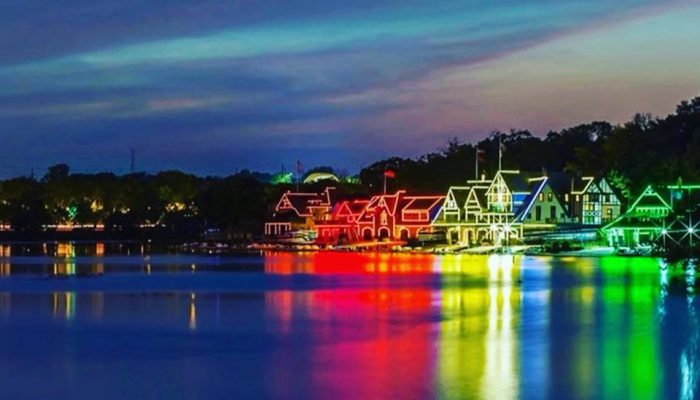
480 194
302 203
536 186
350 207
517 181
562 183
423 203
460 195
390 201
650 198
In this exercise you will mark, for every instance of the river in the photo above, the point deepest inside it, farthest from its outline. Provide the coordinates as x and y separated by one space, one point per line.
104 321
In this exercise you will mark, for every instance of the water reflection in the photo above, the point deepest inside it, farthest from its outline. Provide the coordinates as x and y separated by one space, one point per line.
680 334
478 349
64 305
192 316
328 263
374 326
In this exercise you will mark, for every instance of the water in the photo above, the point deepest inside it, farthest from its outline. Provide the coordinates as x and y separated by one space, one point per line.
102 321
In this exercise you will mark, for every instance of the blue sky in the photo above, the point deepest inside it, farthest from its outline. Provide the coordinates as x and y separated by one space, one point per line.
212 87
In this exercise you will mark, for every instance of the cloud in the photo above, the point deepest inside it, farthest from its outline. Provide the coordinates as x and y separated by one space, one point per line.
273 78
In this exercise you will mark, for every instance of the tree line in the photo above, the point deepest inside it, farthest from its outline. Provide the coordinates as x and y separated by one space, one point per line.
645 150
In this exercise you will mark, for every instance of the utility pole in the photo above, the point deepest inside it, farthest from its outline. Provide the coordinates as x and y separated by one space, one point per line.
132 154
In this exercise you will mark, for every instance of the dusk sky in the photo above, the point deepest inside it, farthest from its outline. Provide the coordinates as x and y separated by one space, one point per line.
211 87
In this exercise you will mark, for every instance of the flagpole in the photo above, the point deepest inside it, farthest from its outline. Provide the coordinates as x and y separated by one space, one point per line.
499 152
384 181
476 163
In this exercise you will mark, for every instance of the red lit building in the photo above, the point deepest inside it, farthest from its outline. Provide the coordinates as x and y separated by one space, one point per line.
342 225
388 216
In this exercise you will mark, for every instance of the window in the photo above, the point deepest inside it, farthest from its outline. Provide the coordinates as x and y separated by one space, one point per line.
566 197
540 197
553 212
549 196
578 197
538 213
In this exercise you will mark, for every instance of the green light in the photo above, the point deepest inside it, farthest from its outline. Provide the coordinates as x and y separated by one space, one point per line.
664 232
691 230
72 212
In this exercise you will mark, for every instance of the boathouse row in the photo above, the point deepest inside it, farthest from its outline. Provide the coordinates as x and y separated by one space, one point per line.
512 207
647 218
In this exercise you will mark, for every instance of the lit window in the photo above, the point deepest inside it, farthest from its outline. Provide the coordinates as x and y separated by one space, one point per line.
384 219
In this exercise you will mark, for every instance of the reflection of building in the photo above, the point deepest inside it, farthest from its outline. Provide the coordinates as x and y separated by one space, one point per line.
299 212
479 353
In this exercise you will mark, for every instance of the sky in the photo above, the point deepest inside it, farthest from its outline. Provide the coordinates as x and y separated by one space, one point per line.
213 87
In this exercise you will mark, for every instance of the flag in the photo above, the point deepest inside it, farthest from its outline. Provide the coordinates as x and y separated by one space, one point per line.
480 154
389 174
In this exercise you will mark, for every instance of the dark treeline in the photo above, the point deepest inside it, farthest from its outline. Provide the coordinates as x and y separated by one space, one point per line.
167 202
645 150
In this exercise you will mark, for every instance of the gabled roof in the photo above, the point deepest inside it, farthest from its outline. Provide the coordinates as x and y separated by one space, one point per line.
650 198
562 183
459 194
389 201
517 181
302 203
350 208
479 194
536 186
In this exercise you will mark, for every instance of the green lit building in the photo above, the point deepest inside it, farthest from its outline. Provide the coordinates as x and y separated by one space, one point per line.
643 221
647 218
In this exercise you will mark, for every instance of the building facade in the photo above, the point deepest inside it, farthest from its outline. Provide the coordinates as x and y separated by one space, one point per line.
299 212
